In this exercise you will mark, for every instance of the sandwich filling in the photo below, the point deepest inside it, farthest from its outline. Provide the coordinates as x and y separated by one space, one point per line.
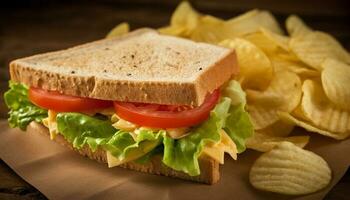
135 132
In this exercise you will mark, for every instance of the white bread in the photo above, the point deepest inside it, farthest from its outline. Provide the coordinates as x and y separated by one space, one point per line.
142 66
210 172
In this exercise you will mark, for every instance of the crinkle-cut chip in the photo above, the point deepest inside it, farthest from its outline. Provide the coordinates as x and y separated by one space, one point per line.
313 48
311 127
289 169
172 30
119 30
336 82
278 129
296 27
283 94
255 66
185 16
262 42
251 22
278 39
287 56
211 30
298 113
296 67
321 112
262 142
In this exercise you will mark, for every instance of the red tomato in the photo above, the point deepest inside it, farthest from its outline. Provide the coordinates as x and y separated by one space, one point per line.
64 103
163 116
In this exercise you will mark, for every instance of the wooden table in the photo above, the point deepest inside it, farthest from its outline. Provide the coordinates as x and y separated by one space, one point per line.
30 27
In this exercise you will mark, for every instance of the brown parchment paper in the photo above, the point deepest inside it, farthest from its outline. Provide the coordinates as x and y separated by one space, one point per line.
60 173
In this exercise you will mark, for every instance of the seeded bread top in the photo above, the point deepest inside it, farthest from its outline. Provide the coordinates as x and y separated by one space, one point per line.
142 66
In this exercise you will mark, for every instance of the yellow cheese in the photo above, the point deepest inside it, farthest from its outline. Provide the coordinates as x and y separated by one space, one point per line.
217 151
51 123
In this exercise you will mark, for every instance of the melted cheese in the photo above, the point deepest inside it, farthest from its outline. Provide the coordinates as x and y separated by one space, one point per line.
217 151
51 123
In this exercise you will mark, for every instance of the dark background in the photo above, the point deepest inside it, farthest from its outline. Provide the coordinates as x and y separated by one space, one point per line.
31 27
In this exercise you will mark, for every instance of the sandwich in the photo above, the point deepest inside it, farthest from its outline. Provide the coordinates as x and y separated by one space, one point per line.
143 101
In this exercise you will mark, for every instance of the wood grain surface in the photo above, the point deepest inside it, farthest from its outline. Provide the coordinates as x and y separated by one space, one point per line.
31 27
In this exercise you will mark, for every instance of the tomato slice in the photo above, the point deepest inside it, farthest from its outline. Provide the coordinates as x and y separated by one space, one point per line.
64 103
163 116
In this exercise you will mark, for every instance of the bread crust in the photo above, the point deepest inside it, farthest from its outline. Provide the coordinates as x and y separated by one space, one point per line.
210 172
172 83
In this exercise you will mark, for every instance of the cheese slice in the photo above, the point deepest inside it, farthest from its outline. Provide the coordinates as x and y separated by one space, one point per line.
51 123
217 151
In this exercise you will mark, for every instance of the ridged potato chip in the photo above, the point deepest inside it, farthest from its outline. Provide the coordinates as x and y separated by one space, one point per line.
255 66
321 112
283 94
172 30
296 27
297 67
119 30
278 39
336 82
185 16
251 22
309 126
262 142
262 42
211 30
289 169
268 41
278 129
313 48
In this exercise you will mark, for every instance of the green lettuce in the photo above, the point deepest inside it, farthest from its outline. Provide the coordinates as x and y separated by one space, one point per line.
182 154
238 124
22 111
81 130
229 114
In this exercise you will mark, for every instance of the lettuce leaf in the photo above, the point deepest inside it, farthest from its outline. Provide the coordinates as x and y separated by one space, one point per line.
238 124
229 114
22 111
182 154
81 130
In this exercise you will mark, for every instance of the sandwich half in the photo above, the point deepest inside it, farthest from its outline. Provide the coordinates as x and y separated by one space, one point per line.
143 101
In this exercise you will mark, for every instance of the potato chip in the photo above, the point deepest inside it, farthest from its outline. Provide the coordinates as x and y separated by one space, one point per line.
336 82
278 39
321 112
297 67
263 143
261 41
278 129
119 30
296 27
255 66
309 126
185 16
289 169
172 30
285 93
211 30
251 22
313 48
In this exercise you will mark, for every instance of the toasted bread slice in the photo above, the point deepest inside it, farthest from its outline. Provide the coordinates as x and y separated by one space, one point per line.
210 172
142 66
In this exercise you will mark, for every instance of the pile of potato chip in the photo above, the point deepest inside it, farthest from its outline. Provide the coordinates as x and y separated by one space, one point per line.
300 79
